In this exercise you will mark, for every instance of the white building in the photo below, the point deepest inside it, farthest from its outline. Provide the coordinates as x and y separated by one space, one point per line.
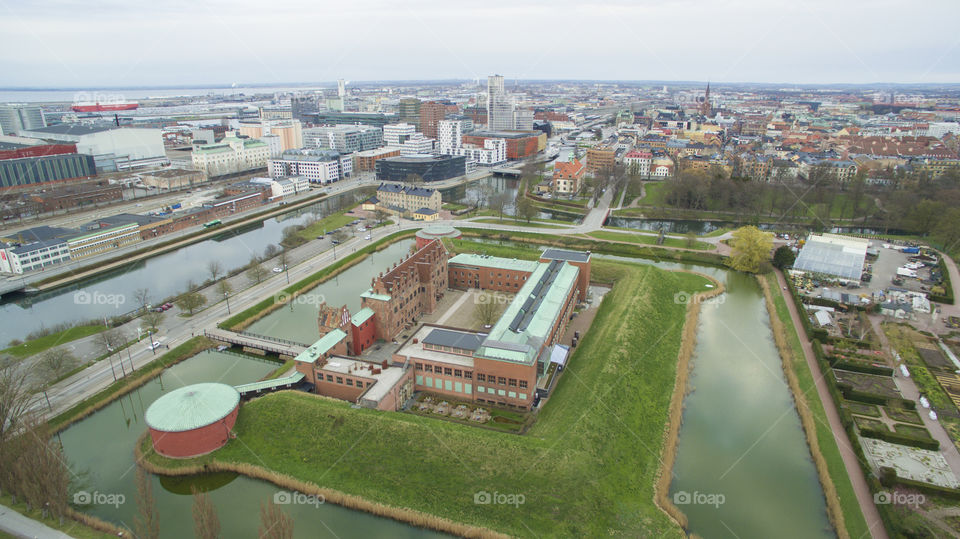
230 156
275 143
113 148
523 120
397 134
499 105
449 135
316 166
417 145
285 186
638 162
494 152
33 256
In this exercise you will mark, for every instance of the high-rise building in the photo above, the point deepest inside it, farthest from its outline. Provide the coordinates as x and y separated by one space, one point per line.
431 113
397 134
450 134
14 118
302 107
499 105
523 120
408 111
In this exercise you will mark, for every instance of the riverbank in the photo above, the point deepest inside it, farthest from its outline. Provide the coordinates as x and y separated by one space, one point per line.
843 507
585 441
681 387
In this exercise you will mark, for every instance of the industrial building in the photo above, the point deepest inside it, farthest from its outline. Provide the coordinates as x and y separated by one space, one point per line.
28 165
113 148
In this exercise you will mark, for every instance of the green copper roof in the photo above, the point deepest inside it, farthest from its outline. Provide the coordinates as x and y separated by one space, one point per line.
322 346
214 148
484 261
526 324
192 407
370 294
294 378
362 316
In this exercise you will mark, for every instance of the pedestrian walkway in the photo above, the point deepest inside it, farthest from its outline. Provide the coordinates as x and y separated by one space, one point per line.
18 525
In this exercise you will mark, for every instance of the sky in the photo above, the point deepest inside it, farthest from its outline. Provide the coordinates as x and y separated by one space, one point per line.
109 43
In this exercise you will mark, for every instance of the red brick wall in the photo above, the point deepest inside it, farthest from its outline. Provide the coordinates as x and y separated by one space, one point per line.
364 335
341 390
194 442
510 281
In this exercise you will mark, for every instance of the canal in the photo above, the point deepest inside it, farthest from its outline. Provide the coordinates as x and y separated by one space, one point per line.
100 452
479 192
701 227
163 275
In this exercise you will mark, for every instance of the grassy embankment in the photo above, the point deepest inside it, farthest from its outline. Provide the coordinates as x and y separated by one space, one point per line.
586 468
516 222
257 311
42 344
327 224
71 526
842 505
647 239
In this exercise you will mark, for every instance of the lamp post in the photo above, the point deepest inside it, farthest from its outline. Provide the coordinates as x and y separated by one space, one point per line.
226 296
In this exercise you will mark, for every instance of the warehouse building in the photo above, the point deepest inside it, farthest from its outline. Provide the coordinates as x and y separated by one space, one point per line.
833 256
113 148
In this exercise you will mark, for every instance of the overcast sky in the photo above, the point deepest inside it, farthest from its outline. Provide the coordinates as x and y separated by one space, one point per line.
97 43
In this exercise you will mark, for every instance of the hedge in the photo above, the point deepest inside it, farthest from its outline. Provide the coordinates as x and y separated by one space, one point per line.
902 439
857 367
947 296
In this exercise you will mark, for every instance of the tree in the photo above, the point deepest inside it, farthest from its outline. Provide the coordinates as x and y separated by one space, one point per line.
206 524
16 393
56 362
214 269
147 520
142 297
256 272
274 523
783 257
111 339
270 251
487 309
189 301
690 240
751 247
340 235
526 209
498 202
153 319
380 214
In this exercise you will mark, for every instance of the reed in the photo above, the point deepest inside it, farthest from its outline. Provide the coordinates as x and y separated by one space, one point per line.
675 413
834 510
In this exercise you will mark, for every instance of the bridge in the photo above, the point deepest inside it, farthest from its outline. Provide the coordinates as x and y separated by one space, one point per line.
258 342
266 386
11 286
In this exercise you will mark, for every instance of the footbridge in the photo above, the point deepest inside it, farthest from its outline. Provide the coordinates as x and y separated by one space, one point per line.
257 342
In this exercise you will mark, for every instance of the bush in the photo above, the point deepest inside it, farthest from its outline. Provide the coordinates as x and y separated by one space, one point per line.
902 439
858 367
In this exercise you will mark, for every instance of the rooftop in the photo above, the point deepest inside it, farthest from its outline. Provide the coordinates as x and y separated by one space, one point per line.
191 407
830 254
361 316
455 339
486 261
73 129
322 346
563 254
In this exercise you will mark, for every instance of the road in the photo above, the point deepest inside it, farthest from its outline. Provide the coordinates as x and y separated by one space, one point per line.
850 461
18 525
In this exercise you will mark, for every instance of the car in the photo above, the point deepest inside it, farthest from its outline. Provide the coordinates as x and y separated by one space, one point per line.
367 237
157 309
154 345
278 270
335 242
166 306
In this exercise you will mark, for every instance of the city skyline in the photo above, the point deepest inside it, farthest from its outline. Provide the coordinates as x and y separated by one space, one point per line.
218 43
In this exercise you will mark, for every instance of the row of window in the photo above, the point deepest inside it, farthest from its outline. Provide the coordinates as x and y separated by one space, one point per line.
349 382
447 371
447 385
500 380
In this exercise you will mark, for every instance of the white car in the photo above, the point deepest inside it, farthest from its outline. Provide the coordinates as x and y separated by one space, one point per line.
367 237
154 345
278 270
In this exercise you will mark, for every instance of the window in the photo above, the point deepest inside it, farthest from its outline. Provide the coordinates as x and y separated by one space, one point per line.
329 377
350 381
448 371
481 377
513 382
468 375
501 380
419 380
419 366
458 373
523 384
428 368
339 379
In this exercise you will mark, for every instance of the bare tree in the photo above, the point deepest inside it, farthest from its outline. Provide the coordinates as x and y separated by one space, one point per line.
206 524
498 202
214 269
487 309
147 520
526 209
153 319
111 339
16 393
380 214
56 362
224 289
256 272
274 523
142 297
270 251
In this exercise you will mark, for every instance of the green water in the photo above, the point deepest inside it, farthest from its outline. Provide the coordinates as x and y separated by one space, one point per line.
742 458
100 452
298 320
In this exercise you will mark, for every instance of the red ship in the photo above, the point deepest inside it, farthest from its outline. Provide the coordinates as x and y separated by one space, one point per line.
98 107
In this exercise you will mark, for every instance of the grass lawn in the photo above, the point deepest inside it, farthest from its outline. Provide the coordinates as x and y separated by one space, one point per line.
647 239
510 221
44 343
853 517
586 468
69 527
328 223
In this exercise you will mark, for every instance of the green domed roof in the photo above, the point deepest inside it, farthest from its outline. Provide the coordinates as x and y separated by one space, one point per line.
191 407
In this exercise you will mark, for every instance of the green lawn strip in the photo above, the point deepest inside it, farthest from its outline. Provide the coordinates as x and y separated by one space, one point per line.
47 342
853 517
649 240
281 370
585 469
316 278
327 224
132 381
512 222
69 527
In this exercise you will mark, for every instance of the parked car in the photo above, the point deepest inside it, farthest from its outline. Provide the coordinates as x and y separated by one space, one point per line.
154 345
335 242
367 237
278 269
167 306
